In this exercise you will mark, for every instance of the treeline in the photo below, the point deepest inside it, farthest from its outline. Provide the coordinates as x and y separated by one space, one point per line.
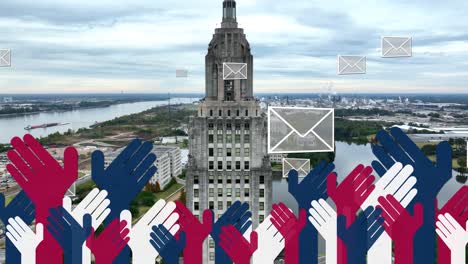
362 112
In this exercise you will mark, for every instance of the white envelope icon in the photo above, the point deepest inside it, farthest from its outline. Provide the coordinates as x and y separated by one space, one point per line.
302 166
5 58
351 64
234 71
393 47
300 129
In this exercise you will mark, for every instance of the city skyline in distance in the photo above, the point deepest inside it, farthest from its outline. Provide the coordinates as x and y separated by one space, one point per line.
136 47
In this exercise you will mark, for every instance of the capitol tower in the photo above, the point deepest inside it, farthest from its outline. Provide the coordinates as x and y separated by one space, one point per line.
228 159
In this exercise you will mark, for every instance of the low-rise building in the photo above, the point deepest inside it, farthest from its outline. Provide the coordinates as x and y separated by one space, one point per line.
168 163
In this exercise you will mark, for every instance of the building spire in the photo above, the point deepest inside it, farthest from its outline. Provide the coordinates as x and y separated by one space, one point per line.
229 14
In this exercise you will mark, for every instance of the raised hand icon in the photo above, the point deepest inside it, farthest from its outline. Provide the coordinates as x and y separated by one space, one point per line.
107 246
94 204
236 245
312 187
24 239
35 170
454 236
21 206
431 177
238 215
160 213
69 233
272 242
195 232
457 207
323 217
166 244
290 227
401 226
361 234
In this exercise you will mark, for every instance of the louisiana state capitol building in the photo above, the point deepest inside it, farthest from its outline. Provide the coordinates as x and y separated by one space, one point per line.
228 159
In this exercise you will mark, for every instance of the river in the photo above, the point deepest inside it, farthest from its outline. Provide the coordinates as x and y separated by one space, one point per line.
11 126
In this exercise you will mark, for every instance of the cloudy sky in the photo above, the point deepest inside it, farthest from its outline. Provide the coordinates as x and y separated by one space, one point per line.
136 45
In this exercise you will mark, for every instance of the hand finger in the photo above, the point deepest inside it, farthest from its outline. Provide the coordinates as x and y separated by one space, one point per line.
153 212
405 189
92 200
26 153
390 175
399 179
385 160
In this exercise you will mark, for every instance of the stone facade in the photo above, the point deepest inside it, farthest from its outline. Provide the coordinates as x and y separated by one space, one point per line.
228 159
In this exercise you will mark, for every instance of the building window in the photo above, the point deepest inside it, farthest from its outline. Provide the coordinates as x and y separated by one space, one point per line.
220 165
211 165
246 179
261 218
210 126
211 204
211 191
211 112
246 192
262 206
229 179
229 138
237 192
220 205
220 138
220 192
211 256
262 179
220 112
220 152
246 165
228 165
210 152
238 167
246 151
195 193
229 192
228 152
237 126
195 179
229 126
211 179
220 179
238 179
247 138
246 112
238 152
237 138
246 126
210 138
196 206
228 204
262 193
229 112
237 113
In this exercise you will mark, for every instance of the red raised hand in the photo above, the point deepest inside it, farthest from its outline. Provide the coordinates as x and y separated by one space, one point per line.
236 246
401 226
349 196
289 227
352 192
457 207
107 246
45 181
195 231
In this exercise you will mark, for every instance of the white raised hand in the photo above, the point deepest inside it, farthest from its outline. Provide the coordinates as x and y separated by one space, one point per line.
161 213
270 245
95 204
454 236
24 239
398 182
323 218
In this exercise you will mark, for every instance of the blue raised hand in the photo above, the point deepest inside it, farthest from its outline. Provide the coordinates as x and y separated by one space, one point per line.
431 177
166 245
69 233
361 234
20 206
238 215
312 187
123 179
